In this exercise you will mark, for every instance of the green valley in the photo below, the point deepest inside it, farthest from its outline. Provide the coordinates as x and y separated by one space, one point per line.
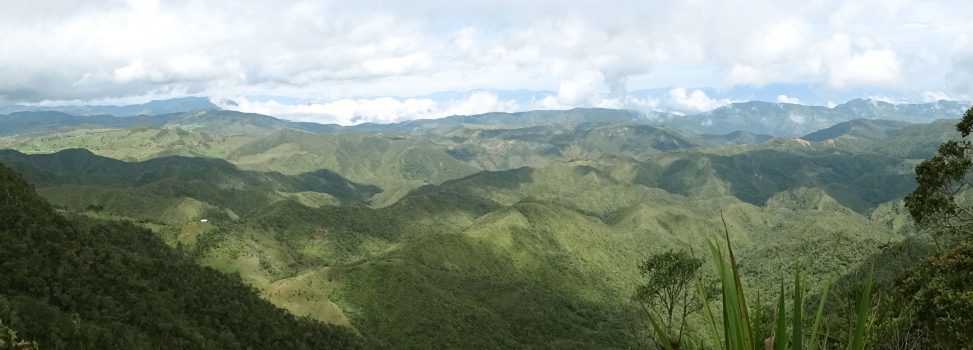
320 174
493 231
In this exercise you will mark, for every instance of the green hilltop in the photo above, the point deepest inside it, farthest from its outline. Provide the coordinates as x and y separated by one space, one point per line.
520 230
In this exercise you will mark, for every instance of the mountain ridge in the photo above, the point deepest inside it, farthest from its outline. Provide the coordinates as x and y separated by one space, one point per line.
154 107
756 117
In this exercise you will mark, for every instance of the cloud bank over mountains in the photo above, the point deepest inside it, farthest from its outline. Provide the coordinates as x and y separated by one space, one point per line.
349 111
351 62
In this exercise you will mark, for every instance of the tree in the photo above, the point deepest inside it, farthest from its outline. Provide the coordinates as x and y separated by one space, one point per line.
669 291
10 340
932 304
937 203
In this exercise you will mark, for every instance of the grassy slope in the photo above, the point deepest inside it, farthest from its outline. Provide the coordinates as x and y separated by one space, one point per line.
536 256
173 190
396 164
129 144
518 258
560 241
81 283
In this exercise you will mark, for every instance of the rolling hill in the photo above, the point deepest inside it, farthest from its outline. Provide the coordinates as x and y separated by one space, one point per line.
865 130
494 231
175 189
72 282
541 257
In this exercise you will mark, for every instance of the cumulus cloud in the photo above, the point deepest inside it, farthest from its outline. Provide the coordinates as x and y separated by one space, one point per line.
785 99
581 88
344 112
588 53
375 110
350 111
936 95
681 99
960 77
746 74
788 54
871 67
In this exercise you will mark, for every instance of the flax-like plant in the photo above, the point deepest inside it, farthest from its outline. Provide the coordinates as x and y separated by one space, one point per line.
813 345
861 322
738 332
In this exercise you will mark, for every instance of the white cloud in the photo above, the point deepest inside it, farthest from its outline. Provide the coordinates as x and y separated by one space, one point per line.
933 96
696 101
344 111
591 53
871 67
136 71
746 74
551 102
883 98
786 54
376 110
960 77
797 118
581 88
480 102
785 99
397 65
780 40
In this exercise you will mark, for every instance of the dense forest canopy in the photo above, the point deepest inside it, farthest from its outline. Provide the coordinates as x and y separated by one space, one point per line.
75 282
230 231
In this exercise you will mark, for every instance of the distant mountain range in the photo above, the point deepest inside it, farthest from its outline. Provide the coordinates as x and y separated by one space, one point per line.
868 129
213 121
156 107
785 119
757 118
498 230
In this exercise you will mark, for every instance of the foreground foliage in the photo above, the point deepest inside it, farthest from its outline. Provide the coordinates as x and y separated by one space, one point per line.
941 200
10 341
744 328
670 291
930 306
76 283
743 332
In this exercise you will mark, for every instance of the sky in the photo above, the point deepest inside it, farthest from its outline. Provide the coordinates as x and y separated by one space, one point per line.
349 62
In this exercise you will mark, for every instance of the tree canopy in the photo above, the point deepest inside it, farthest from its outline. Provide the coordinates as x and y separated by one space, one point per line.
938 202
670 291
78 283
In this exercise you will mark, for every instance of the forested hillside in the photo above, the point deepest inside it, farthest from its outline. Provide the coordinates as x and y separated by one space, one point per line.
545 174
73 282
487 231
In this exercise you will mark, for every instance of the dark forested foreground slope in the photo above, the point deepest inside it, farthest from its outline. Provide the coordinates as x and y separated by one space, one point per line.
491 231
73 283
514 258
